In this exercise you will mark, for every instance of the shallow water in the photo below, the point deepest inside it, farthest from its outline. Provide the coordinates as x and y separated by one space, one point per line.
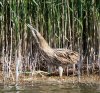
52 88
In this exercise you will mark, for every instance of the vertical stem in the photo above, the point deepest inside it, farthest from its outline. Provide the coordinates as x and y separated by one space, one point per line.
99 46
63 24
69 25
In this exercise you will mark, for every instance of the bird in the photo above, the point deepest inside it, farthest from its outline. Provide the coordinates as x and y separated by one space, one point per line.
58 57
60 70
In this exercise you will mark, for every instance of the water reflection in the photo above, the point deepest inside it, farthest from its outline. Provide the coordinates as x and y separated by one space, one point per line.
52 88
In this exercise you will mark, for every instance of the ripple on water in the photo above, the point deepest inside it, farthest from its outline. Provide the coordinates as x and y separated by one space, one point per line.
53 88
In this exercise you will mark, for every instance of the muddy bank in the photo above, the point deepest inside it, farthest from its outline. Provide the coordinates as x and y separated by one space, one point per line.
65 79
31 80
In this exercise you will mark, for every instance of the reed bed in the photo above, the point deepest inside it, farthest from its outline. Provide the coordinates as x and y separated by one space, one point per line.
72 24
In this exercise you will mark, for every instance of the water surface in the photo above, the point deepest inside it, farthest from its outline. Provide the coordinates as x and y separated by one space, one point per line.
52 88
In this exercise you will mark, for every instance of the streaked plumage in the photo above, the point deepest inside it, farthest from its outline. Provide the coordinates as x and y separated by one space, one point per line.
52 56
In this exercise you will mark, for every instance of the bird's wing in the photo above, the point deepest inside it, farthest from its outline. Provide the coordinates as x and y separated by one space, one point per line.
66 56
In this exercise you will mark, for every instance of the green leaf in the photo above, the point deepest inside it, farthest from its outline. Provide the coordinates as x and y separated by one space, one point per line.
35 2
1 4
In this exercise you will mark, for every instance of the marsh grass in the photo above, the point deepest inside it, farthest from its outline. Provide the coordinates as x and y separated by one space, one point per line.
74 24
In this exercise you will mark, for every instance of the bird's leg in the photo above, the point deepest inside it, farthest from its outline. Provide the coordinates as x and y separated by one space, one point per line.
60 70
73 69
67 70
49 69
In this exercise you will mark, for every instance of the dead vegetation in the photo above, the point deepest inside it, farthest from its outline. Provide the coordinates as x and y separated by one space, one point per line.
37 62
